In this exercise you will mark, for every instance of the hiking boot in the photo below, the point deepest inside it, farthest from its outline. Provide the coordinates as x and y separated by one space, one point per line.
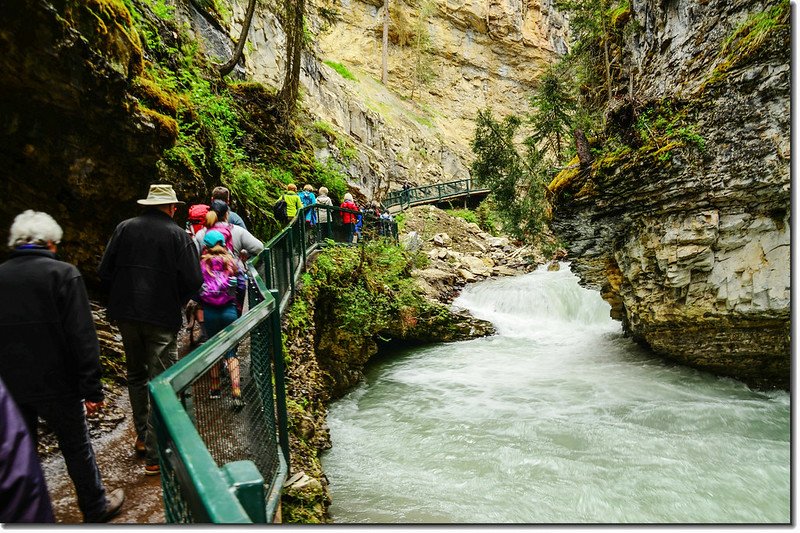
113 506
152 470
238 403
214 394
139 447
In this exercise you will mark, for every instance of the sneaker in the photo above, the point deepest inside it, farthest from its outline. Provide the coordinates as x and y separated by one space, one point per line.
113 506
238 403
152 470
139 446
214 394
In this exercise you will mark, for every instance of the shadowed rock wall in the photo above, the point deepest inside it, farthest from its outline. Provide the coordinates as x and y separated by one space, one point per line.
72 142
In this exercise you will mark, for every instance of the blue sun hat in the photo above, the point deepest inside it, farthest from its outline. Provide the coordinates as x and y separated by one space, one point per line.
213 238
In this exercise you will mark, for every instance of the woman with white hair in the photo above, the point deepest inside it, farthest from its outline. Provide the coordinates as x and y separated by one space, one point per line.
50 357
324 199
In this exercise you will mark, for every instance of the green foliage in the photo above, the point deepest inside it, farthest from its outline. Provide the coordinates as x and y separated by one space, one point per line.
666 124
341 69
329 174
464 214
487 217
423 70
329 15
517 179
750 37
552 119
597 28
162 9
369 286
324 128
400 218
347 149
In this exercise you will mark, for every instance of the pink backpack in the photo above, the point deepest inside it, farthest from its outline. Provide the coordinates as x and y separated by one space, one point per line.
218 271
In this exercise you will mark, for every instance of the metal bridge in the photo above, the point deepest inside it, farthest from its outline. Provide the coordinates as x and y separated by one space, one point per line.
437 193
219 463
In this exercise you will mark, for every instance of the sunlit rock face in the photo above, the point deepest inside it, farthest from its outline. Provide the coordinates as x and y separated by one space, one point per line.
480 55
694 253
72 142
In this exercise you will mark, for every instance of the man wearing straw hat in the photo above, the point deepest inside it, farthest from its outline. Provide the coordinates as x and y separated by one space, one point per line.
151 269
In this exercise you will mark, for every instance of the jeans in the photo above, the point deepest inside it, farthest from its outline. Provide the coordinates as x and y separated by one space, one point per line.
67 421
149 351
217 318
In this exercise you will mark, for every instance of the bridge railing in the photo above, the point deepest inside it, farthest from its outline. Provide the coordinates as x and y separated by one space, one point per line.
222 462
427 193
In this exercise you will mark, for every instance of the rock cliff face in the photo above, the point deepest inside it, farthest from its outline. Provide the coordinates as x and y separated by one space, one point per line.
73 142
482 54
691 248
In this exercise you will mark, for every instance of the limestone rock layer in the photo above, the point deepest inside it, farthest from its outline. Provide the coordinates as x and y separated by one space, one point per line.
692 249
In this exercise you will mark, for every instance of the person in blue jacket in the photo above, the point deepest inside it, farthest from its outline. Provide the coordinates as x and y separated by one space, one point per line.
23 490
308 198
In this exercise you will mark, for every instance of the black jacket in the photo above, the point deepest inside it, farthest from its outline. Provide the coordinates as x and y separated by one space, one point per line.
151 269
48 344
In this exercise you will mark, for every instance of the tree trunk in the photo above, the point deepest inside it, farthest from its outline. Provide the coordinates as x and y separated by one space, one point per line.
385 58
418 62
606 58
295 10
582 146
226 68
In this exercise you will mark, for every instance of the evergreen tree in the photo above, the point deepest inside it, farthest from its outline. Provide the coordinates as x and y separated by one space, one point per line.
552 119
517 180
385 49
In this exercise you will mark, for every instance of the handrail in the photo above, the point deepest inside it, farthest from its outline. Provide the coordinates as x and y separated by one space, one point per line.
423 193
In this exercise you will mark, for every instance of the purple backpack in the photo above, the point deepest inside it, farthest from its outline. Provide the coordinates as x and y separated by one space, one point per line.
217 289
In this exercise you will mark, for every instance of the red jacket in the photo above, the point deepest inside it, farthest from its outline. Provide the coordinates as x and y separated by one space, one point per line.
347 218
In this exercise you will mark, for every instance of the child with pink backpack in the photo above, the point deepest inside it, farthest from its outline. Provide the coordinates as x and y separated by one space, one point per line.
218 296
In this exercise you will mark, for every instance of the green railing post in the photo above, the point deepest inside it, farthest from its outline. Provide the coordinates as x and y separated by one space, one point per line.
280 384
248 487
303 235
268 269
289 257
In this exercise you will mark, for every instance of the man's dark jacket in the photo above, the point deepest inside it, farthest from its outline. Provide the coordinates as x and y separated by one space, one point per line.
48 346
151 269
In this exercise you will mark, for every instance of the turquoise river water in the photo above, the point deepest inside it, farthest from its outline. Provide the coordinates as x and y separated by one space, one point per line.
557 419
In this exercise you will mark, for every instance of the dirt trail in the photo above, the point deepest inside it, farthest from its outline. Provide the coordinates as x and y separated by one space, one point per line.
119 467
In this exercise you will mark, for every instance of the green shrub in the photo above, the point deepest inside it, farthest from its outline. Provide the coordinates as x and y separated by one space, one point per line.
341 69
464 214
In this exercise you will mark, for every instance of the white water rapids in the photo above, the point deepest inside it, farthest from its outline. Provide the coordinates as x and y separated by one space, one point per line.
556 419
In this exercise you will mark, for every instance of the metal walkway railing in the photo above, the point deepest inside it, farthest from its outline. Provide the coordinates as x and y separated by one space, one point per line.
221 462
437 192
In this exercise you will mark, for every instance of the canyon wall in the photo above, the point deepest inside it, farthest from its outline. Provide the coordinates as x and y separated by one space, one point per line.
691 243
481 54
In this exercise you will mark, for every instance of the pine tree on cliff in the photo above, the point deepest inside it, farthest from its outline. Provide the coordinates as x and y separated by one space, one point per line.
552 119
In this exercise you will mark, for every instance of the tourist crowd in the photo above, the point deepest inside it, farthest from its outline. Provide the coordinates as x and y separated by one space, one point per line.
151 272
